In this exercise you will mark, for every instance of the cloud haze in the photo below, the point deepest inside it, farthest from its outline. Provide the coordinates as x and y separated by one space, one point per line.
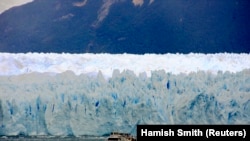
80 4
138 2
7 4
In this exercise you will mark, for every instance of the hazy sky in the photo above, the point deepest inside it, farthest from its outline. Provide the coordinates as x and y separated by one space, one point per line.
7 4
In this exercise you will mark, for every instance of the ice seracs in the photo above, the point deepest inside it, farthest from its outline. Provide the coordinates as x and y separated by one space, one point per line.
95 94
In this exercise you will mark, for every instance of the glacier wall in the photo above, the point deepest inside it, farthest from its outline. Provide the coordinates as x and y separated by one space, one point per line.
69 104
94 94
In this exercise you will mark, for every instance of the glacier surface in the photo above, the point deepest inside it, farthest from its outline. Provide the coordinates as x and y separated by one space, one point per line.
94 94
91 64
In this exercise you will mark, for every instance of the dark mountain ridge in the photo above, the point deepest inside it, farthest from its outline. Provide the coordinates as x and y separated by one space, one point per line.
119 26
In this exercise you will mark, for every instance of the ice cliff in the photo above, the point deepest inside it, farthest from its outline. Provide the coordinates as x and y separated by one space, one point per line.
94 94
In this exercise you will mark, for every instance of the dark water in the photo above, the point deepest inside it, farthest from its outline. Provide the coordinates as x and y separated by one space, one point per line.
46 138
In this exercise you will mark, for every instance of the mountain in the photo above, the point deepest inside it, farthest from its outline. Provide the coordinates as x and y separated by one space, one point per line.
126 26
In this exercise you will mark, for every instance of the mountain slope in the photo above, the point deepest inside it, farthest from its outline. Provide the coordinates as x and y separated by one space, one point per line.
118 26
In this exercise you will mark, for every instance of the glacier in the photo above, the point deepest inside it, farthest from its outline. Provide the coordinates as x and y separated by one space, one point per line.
95 94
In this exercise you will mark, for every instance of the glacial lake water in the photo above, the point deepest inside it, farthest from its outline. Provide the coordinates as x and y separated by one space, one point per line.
24 138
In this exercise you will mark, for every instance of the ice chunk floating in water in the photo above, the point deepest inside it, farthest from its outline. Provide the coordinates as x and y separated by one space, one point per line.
94 94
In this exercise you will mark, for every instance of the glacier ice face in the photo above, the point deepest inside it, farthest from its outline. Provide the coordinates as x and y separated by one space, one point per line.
94 94
70 104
